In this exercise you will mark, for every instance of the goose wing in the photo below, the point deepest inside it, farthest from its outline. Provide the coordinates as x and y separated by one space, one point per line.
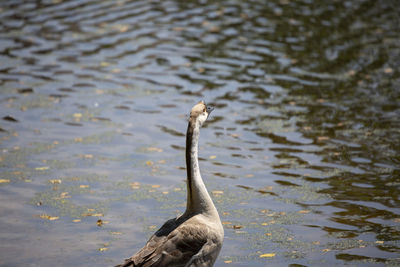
176 244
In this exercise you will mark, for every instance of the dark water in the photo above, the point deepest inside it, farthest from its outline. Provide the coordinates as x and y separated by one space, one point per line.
302 153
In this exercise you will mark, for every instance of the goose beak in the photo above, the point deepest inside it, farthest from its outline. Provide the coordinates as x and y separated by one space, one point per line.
209 109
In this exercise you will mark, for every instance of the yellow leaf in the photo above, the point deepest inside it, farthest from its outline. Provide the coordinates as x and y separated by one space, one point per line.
267 255
135 185
103 249
84 186
154 149
93 214
55 181
64 195
116 233
42 168
304 211
149 163
217 192
4 181
379 242
47 217
229 261
123 28
213 157
155 186
76 220
388 70
77 115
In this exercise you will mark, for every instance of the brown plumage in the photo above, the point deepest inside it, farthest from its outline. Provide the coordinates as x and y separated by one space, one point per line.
195 238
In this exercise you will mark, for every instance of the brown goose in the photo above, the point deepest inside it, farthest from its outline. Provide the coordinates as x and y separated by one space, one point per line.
194 238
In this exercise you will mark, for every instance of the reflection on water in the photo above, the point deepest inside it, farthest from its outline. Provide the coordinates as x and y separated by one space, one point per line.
301 154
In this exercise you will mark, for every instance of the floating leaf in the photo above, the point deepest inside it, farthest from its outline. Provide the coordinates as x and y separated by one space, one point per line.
92 214
84 186
48 217
217 192
77 115
228 261
116 233
236 227
99 223
379 242
103 249
322 138
213 157
55 181
154 149
267 255
76 220
122 107
149 163
4 181
64 195
42 168
388 70
304 211
135 185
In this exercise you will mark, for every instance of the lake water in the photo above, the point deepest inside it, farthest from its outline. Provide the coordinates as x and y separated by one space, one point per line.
301 154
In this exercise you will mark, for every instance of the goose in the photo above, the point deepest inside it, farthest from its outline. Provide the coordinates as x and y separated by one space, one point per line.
195 238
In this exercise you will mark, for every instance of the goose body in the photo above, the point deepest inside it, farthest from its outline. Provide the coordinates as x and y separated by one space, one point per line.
194 238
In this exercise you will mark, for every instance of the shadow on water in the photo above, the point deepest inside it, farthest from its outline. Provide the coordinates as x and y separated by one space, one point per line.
301 155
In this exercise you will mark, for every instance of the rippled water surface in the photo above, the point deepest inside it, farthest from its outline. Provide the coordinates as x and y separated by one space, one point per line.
301 155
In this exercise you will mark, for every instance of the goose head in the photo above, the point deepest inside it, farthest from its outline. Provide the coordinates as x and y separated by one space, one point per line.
200 113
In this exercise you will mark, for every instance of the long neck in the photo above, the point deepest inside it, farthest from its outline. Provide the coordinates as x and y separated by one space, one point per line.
198 199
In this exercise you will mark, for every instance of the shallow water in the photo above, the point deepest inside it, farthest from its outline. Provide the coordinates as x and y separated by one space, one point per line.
301 154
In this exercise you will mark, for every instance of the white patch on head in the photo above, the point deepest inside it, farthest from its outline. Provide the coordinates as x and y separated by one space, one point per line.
202 118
